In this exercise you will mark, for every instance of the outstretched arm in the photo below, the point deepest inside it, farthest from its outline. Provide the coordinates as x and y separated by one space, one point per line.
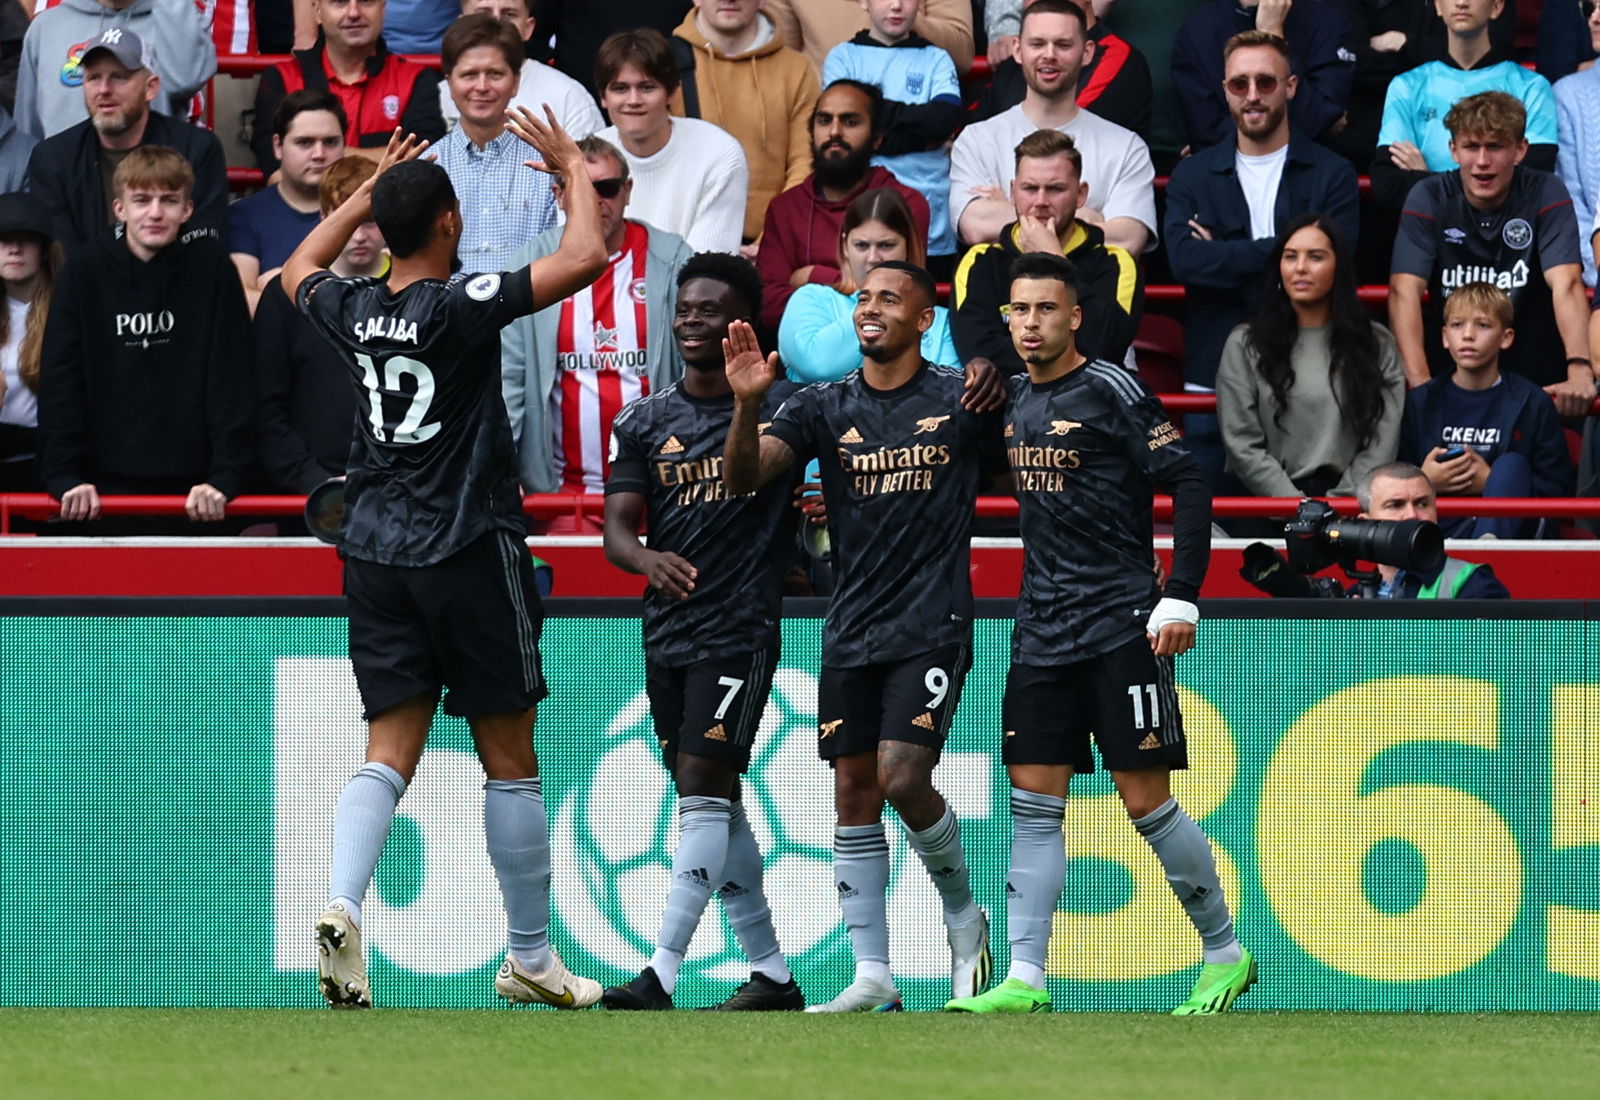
580 259
750 459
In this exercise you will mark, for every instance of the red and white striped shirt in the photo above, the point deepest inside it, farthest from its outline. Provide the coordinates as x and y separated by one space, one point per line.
600 364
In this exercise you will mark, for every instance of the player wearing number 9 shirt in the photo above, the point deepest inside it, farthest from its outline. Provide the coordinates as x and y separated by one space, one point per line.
1096 634
902 445
439 584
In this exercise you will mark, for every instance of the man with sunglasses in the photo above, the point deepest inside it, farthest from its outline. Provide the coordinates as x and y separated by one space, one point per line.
1224 206
570 368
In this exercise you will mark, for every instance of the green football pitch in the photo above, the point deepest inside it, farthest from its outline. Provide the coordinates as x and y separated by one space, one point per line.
125 1054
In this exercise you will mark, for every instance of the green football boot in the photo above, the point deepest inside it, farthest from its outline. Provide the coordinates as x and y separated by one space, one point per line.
1011 995
1219 985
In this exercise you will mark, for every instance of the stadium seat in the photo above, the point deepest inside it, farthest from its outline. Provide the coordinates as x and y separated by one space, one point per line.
1158 349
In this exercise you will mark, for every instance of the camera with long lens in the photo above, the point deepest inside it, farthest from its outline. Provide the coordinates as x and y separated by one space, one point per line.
1318 537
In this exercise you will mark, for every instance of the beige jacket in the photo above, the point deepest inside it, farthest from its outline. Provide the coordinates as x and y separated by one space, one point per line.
816 26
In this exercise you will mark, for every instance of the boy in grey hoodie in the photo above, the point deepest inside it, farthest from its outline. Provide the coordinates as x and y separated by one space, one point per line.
49 85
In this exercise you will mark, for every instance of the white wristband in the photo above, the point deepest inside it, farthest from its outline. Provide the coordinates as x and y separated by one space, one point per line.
1169 610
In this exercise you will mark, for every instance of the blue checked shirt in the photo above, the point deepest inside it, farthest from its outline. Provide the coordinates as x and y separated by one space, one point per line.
504 203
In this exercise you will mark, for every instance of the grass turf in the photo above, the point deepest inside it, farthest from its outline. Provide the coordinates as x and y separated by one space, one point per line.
133 1053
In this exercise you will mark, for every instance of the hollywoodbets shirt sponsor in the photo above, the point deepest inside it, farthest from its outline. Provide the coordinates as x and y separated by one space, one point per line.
432 466
900 473
668 447
1087 454
1445 240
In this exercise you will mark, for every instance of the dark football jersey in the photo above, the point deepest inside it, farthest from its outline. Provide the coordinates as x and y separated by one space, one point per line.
432 466
668 447
900 473
1087 453
1447 241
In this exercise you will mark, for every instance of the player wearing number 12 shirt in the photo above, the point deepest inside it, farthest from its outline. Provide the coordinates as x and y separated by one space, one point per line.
439 584
1096 634
901 445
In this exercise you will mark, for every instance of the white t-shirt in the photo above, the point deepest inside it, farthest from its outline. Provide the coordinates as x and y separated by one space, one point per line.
1258 179
21 404
575 108
695 186
1116 164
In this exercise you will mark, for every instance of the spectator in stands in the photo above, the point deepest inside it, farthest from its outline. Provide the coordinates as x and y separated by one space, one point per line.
29 262
180 52
1498 221
742 78
816 26
1309 389
1578 130
571 366
145 382
1478 431
379 90
504 206
1115 82
817 339
1321 57
307 136
16 146
800 238
1412 141
305 405
1226 203
1052 50
1388 38
692 176
580 26
922 109
418 26
72 171
575 108
1046 195
1563 45
1401 491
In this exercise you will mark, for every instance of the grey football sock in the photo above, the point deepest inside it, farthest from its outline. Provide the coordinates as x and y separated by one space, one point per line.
696 871
861 875
939 848
745 901
1033 884
360 826
518 837
1185 855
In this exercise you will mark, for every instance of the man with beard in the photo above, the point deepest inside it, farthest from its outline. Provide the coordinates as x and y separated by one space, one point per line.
1224 206
800 237
72 171
1053 49
714 566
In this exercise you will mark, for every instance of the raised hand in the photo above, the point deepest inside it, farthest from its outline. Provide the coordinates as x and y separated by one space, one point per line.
750 374
560 154
401 148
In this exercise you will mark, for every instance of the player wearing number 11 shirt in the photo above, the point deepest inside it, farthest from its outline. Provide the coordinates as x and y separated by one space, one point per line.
902 445
438 581
1096 633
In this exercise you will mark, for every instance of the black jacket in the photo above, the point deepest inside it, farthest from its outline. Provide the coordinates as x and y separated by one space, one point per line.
306 406
1115 85
145 381
64 173
1110 290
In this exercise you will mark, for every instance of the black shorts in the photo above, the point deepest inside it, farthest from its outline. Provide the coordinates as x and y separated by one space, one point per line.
1125 698
470 623
711 709
911 700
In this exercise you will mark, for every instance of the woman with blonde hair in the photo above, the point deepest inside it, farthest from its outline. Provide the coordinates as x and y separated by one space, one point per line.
30 258
817 337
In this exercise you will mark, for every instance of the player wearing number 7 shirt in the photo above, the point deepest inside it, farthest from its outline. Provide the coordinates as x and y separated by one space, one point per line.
1096 634
902 446
439 584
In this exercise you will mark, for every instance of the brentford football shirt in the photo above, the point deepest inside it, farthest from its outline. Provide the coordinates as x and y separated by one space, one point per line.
432 466
1088 452
900 473
668 447
600 364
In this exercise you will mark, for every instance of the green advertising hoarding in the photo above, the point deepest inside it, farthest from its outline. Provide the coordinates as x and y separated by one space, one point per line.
1404 813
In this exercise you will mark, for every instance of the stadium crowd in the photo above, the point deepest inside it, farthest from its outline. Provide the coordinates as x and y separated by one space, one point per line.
148 346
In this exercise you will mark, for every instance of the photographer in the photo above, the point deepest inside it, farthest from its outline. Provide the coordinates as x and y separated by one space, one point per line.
1402 491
